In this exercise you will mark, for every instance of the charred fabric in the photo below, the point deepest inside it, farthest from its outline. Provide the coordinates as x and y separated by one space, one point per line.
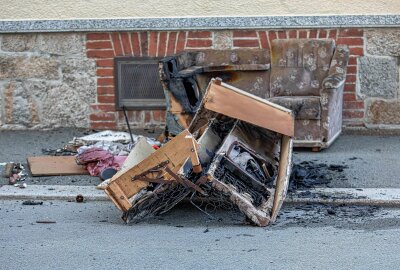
231 149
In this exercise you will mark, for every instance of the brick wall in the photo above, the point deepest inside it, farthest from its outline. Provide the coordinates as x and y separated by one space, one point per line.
103 47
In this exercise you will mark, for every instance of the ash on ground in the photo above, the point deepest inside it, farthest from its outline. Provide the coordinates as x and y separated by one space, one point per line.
309 174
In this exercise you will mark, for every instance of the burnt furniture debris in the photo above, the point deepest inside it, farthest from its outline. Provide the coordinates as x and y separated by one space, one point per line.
185 77
308 76
236 151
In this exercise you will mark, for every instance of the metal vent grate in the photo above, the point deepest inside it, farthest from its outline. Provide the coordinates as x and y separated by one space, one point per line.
138 83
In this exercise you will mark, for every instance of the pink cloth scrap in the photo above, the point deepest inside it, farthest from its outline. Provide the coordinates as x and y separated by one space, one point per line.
97 159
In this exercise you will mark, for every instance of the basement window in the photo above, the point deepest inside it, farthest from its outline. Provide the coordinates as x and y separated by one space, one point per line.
138 83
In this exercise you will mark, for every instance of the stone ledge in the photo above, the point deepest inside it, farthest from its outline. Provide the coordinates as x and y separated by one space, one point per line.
199 23
383 112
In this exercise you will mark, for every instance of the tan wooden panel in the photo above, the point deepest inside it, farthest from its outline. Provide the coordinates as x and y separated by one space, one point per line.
176 151
282 181
55 165
238 104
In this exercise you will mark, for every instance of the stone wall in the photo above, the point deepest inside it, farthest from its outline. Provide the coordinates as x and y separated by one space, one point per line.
379 78
46 81
67 79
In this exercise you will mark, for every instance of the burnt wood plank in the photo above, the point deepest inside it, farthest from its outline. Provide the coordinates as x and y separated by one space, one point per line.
238 104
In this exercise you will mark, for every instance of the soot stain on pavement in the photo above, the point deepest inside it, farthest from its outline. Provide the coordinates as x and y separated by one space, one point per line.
341 216
309 174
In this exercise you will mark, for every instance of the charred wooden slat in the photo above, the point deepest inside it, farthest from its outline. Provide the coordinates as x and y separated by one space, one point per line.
176 151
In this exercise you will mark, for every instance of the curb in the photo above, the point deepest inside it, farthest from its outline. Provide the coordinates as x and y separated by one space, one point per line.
51 192
389 197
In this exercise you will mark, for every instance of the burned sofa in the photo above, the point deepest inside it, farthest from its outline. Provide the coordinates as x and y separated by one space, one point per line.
185 78
236 152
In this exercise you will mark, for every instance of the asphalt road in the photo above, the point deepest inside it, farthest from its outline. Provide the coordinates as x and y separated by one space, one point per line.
92 236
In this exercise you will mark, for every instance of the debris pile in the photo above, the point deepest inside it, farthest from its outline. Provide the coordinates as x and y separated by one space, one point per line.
237 151
15 174
99 154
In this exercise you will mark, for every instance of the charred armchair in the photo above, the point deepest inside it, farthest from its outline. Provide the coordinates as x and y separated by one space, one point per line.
308 76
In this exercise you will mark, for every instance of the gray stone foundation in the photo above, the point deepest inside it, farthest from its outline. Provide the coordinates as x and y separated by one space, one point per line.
46 81
379 78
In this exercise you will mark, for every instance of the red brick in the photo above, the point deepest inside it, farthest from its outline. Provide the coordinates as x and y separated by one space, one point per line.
144 43
138 116
102 108
349 87
293 34
351 41
103 125
100 53
349 97
199 43
121 116
135 43
356 51
162 44
332 33
352 60
271 35
129 114
98 36
351 32
180 46
353 105
102 117
322 33
263 39
171 43
302 34
106 99
105 90
159 115
98 45
153 43
241 33
281 34
246 43
351 78
351 69
126 44
199 34
105 63
147 116
105 81
105 72
117 44
313 33
163 116
349 114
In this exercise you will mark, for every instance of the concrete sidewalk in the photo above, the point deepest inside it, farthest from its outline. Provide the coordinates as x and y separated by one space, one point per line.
368 196
371 164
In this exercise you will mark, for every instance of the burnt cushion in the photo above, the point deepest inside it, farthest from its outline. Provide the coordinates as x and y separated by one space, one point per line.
304 108
298 66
